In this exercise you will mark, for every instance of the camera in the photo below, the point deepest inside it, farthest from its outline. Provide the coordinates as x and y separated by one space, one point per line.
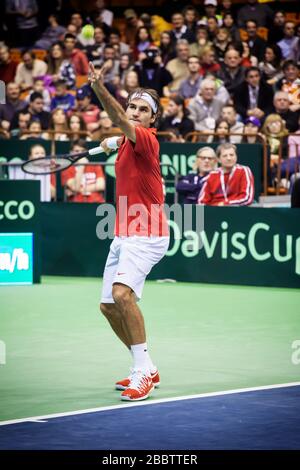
151 53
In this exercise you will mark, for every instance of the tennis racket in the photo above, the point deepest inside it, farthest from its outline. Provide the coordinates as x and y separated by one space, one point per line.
56 163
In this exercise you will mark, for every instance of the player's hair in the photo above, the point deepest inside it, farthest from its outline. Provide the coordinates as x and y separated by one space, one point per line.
225 146
154 95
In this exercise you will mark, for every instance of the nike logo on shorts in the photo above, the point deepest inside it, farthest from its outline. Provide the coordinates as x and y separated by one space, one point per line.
120 274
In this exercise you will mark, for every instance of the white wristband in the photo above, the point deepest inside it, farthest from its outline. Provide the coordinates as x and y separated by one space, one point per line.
112 142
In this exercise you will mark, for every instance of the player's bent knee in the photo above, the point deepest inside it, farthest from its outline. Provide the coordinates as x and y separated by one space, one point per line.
106 309
121 294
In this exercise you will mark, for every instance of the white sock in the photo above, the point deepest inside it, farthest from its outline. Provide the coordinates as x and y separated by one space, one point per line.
141 357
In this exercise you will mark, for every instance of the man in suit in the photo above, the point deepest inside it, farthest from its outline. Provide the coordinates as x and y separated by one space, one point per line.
253 97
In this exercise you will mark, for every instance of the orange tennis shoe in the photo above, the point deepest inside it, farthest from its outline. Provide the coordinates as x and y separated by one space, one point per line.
123 384
139 388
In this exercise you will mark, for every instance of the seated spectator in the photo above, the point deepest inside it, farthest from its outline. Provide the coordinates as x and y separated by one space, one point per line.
221 132
189 186
256 44
83 182
208 62
78 128
276 134
143 41
131 82
229 24
151 72
205 108
57 126
251 129
177 117
13 103
125 66
77 21
77 58
132 25
25 14
221 42
39 86
167 47
270 64
276 30
88 111
180 30
261 13
34 131
210 8
103 13
281 104
190 15
229 114
189 87
59 68
36 111
21 123
114 39
178 67
231 184
221 92
28 69
253 97
294 143
62 99
47 182
95 51
231 72
248 60
54 32
8 67
289 40
111 78
290 83
201 42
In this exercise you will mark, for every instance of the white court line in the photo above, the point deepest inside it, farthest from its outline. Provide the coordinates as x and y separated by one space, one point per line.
126 405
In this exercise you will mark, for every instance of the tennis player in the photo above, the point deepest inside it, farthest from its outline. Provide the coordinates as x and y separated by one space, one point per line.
141 233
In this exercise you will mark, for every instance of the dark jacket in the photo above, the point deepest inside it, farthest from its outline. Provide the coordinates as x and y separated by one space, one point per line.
184 126
231 83
189 187
242 100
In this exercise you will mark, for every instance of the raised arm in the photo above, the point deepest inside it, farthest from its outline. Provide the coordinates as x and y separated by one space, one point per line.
109 103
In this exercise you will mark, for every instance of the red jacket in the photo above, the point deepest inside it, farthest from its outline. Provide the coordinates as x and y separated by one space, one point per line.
232 189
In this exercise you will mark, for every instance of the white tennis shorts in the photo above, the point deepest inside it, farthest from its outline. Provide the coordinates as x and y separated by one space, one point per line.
129 261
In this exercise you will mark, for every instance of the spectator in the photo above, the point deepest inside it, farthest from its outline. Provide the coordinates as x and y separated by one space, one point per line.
106 125
125 66
167 48
177 117
208 62
231 72
48 182
276 134
143 41
253 97
178 67
189 87
191 17
251 129
131 82
57 126
105 15
262 14
276 30
8 67
77 58
205 108
95 51
231 184
77 21
210 7
13 103
83 182
248 60
132 25
294 143
229 113
221 132
25 13
228 8
88 111
281 106
114 39
28 69
289 40
59 68
256 44
39 86
229 24
62 99
36 110
202 41
52 34
270 64
111 78
22 123
212 28
221 42
180 30
221 92
77 126
290 83
151 71
33 131
189 186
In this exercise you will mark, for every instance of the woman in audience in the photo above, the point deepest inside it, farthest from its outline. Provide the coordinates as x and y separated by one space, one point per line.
58 126
270 66
77 126
166 47
143 41
221 132
59 67
131 82
276 133
34 131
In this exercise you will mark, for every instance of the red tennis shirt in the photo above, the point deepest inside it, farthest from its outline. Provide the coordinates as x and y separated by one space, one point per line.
139 189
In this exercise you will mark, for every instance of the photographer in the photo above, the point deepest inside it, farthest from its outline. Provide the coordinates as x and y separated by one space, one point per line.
151 71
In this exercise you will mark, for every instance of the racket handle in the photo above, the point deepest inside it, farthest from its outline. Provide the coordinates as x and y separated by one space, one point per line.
96 150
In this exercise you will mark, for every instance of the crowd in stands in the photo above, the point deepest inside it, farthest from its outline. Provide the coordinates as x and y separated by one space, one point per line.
226 74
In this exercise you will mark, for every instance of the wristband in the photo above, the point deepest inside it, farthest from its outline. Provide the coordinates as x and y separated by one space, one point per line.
112 142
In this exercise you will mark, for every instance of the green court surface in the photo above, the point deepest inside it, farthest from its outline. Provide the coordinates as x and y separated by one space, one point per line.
61 354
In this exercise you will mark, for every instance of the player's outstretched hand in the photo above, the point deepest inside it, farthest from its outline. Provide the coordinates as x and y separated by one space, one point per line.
97 76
